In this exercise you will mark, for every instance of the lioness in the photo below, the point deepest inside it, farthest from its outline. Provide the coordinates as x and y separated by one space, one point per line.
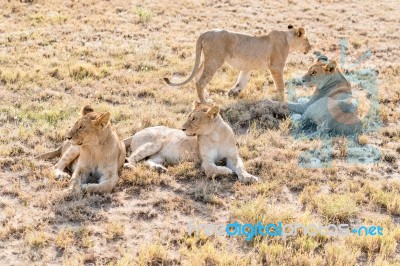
92 149
205 136
332 107
246 53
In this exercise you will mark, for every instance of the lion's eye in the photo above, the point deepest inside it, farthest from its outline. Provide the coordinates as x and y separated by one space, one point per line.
313 73
193 118
80 128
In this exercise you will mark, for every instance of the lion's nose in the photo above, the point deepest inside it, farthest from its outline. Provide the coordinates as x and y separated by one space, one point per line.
303 80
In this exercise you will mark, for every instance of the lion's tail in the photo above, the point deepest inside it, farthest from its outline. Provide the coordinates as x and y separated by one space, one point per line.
49 155
199 47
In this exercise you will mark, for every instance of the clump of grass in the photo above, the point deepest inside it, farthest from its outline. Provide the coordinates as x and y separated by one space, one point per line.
37 239
141 175
9 77
65 238
384 245
83 235
114 230
143 67
340 255
206 192
336 207
81 71
308 193
271 253
342 143
185 170
258 211
389 157
357 44
388 200
144 14
153 254
208 254
363 139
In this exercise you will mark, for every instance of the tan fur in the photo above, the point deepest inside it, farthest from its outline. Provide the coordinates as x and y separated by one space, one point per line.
246 53
332 107
205 136
92 149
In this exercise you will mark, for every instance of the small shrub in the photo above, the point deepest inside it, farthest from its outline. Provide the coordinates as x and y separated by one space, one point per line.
144 15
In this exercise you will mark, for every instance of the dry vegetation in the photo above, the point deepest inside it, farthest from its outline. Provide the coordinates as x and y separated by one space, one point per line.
57 56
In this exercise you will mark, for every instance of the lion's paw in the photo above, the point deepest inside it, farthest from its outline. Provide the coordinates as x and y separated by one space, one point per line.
225 171
128 166
233 93
84 187
161 169
248 178
60 175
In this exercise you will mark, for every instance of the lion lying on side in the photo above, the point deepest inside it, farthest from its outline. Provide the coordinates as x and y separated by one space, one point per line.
246 53
93 149
205 136
331 107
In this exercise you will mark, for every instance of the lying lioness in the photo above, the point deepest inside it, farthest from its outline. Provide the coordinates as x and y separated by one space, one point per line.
331 107
205 136
93 149
246 53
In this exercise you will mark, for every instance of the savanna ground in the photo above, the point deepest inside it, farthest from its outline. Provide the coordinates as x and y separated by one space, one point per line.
57 56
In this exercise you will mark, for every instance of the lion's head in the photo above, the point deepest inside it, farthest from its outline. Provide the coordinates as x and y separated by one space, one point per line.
320 72
201 119
300 42
87 129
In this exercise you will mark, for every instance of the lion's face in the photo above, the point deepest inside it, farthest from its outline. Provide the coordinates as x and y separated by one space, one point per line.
300 42
88 127
319 73
200 120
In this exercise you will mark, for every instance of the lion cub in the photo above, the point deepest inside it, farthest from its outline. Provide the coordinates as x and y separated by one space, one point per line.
92 149
205 136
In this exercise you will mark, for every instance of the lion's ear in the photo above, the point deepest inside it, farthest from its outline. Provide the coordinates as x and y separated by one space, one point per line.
87 109
102 120
213 112
300 32
196 104
331 66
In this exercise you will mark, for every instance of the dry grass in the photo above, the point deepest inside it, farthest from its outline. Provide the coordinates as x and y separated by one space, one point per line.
57 56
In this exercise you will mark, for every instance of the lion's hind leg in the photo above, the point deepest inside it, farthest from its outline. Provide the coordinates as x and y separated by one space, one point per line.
210 68
143 151
240 84
106 183
155 162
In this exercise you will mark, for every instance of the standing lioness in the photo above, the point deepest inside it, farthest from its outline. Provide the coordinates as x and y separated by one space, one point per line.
205 136
246 53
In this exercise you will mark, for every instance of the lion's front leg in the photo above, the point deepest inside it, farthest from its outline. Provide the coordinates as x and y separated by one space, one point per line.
236 164
240 83
211 169
79 175
66 159
277 76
